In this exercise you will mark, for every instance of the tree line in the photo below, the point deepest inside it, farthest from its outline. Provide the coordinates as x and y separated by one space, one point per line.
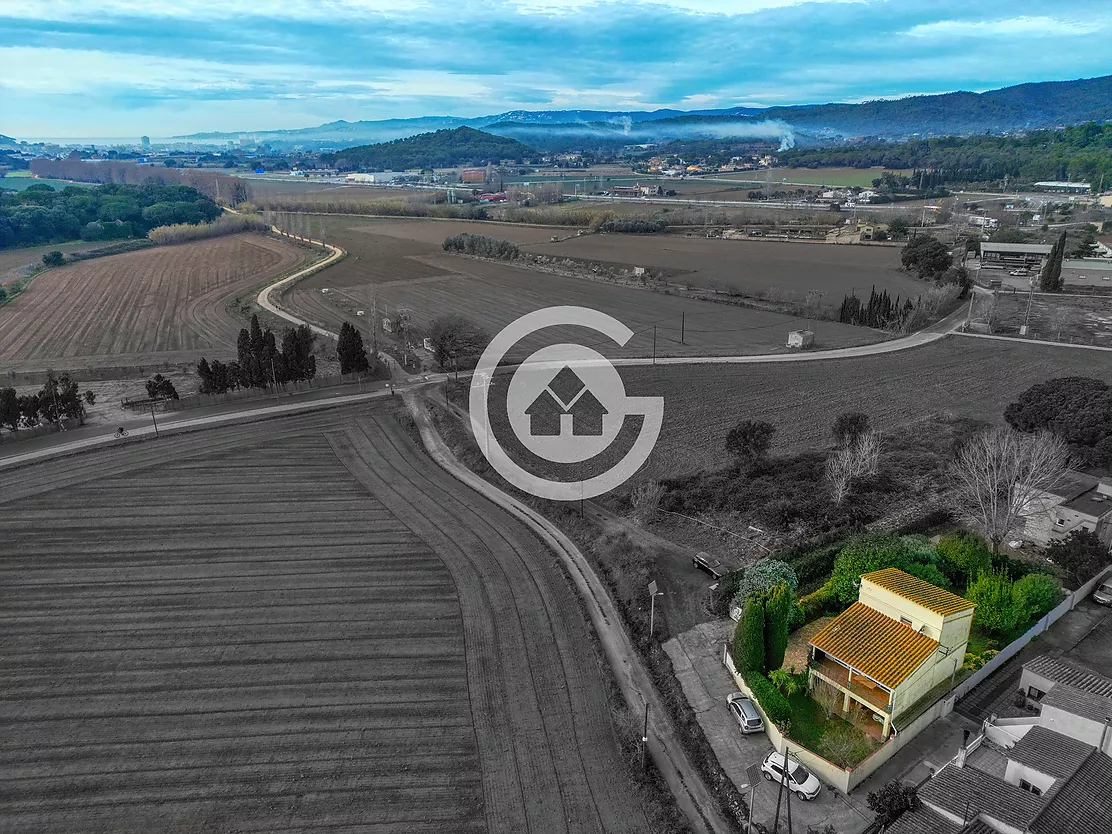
215 186
259 362
1082 152
40 214
60 398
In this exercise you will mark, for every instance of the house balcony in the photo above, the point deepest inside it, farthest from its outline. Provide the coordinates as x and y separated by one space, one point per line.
859 688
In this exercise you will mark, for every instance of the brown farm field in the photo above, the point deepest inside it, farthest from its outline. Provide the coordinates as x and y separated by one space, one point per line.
299 625
960 375
401 263
14 258
165 304
750 267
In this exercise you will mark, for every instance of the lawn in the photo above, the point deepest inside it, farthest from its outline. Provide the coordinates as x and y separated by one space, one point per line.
812 727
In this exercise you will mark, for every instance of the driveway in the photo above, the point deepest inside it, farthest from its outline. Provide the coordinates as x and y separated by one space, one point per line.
697 660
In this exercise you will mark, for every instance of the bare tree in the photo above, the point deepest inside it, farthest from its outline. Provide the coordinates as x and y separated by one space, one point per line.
1001 477
827 697
860 458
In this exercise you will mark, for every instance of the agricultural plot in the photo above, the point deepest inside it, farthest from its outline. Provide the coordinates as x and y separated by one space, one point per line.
786 270
494 294
298 625
14 258
965 376
1084 320
165 304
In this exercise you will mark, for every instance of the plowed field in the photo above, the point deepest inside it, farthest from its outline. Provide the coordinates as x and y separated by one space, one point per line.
158 305
402 264
300 625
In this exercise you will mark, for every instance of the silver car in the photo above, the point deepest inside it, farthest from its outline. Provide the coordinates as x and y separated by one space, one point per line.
745 713
1103 594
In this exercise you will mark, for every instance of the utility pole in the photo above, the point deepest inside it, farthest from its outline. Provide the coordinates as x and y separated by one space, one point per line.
654 344
153 420
274 379
1027 315
645 736
653 594
683 327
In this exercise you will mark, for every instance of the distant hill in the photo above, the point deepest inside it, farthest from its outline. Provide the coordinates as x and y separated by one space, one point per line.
7 141
1008 110
439 149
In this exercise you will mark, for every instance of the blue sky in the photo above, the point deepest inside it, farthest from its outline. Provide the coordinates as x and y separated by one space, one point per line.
120 68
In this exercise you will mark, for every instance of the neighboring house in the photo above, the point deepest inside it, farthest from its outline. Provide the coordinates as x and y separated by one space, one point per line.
901 639
1077 502
1046 774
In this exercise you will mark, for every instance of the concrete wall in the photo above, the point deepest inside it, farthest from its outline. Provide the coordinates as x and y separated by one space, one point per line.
1006 735
1016 771
361 381
1084 730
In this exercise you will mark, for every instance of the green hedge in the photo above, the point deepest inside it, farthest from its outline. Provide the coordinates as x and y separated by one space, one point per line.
819 604
771 699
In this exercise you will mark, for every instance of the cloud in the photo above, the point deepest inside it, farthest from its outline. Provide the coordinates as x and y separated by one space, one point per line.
129 65
1013 27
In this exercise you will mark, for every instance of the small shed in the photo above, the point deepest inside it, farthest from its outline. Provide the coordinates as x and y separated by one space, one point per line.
801 339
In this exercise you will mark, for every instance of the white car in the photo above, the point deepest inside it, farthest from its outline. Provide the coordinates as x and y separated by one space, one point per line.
799 780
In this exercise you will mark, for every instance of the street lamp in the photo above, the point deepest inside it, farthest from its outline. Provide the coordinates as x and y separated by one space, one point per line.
653 594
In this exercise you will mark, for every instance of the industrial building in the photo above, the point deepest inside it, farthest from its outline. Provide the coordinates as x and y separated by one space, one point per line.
1026 255
1064 187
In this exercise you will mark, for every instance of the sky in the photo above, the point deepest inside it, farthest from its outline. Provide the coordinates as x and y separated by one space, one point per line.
122 68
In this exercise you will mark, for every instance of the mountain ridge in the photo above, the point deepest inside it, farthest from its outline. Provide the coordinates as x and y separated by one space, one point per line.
1017 108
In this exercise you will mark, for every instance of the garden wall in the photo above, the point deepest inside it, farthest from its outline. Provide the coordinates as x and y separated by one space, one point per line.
199 400
1013 648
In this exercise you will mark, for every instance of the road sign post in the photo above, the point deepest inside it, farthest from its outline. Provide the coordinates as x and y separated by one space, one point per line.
653 594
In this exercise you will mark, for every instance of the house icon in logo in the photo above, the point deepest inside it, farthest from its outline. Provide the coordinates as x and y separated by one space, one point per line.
566 396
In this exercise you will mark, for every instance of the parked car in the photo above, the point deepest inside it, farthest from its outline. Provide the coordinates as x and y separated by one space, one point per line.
745 713
1103 593
799 780
708 564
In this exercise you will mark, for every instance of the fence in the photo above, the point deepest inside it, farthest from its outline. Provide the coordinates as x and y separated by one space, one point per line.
241 394
1013 648
40 430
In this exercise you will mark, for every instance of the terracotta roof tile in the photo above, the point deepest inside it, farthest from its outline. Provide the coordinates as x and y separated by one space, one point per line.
915 590
882 648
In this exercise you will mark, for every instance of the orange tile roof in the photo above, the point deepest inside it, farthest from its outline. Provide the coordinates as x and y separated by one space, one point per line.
922 593
884 649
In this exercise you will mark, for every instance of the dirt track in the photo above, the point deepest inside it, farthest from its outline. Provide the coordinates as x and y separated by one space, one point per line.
296 625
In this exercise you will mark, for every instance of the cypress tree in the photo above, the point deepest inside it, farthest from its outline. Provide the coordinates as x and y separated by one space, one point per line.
777 613
749 639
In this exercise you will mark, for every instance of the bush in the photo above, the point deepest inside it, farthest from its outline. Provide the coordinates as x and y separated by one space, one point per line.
1081 555
225 224
996 612
864 554
963 555
928 573
53 258
819 604
762 577
633 226
772 701
481 246
1034 595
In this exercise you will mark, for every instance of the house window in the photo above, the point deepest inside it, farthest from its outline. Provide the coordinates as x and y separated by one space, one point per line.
1034 693
905 621
1027 786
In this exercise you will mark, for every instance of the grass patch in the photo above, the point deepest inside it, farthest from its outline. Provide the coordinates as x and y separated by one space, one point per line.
830 736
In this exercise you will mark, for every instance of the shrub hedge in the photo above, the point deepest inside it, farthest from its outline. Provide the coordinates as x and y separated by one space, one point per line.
771 699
